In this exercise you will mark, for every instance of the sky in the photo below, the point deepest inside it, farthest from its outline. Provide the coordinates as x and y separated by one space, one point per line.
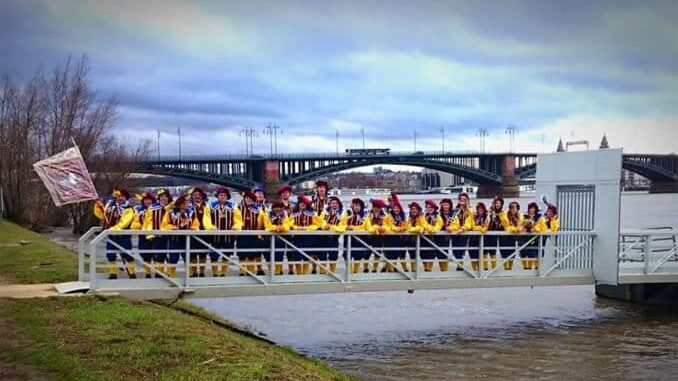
562 69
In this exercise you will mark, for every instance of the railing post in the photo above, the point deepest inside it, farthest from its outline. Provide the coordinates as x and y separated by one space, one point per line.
481 257
417 251
81 261
187 260
271 263
347 256
539 253
92 266
647 254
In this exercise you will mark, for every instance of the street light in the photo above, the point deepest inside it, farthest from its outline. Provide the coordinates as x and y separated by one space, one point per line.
512 131
482 134
249 133
415 140
272 131
337 141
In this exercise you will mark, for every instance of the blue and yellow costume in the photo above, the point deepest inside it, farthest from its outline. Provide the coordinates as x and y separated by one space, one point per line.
153 221
305 218
202 213
225 216
251 218
355 221
333 220
141 216
179 216
117 214
379 224
276 220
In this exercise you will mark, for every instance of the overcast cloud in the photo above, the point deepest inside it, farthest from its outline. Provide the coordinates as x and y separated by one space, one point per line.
570 69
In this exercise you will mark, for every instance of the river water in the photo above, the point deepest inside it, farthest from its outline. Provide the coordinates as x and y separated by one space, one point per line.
550 333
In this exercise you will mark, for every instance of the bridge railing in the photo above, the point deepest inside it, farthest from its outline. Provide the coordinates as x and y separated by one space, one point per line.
353 259
648 254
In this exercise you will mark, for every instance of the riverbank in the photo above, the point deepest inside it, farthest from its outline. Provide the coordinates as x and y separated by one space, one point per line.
93 338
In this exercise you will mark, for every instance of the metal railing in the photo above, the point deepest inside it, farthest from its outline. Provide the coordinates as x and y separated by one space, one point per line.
648 252
354 259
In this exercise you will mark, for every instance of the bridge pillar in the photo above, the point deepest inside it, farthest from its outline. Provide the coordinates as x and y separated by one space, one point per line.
661 294
664 187
271 179
509 188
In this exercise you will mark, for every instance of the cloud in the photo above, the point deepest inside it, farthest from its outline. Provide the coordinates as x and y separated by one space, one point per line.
390 67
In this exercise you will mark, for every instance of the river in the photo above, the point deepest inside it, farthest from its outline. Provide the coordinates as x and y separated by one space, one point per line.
550 333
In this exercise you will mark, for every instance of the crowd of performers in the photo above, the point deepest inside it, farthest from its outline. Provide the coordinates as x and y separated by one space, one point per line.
194 211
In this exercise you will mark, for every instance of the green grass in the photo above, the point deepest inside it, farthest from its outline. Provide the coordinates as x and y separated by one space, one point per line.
88 338
41 261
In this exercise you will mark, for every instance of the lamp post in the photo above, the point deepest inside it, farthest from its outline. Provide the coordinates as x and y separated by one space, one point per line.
512 131
482 134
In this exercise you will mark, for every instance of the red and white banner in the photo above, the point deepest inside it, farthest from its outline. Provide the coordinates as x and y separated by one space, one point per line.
66 177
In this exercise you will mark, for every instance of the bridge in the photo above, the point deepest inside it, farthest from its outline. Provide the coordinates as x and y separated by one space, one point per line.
590 249
495 173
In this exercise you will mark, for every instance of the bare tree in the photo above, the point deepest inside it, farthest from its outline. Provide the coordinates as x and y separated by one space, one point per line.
43 119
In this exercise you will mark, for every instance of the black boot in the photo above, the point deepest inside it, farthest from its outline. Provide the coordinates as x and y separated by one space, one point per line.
112 276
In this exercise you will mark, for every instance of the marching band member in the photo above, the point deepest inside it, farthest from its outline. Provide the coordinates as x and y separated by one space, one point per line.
334 219
117 214
498 223
513 224
284 194
532 223
463 222
319 203
355 221
320 199
225 216
141 214
260 198
252 216
179 216
551 223
153 221
416 224
304 218
377 224
278 221
435 223
447 216
263 206
480 224
202 213
398 220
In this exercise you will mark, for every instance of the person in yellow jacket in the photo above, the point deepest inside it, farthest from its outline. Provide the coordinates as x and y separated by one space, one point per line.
533 222
513 223
333 219
398 221
202 213
416 224
480 224
253 215
377 223
461 223
278 221
142 213
304 218
498 220
117 214
225 216
434 223
179 216
355 221
153 220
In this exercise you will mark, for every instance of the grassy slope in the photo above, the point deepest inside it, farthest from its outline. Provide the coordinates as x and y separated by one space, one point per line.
93 339
41 261
88 338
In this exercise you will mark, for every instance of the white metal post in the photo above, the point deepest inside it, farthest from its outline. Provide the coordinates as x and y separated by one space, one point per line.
348 260
271 263
417 250
187 260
